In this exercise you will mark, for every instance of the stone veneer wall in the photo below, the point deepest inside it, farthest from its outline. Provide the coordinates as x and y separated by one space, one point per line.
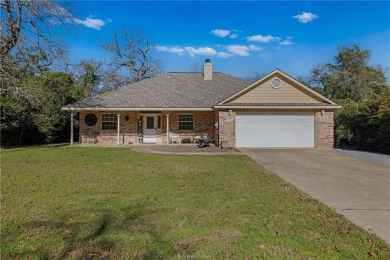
325 129
227 128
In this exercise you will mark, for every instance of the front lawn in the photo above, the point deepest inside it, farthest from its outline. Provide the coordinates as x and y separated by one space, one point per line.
116 203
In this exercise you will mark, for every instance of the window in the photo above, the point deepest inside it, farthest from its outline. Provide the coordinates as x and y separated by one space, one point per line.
109 121
150 122
186 122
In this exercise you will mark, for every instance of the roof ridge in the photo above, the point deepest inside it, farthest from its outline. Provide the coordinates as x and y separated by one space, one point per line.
190 72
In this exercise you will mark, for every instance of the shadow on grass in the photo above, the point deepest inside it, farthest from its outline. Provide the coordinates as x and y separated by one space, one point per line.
95 239
25 147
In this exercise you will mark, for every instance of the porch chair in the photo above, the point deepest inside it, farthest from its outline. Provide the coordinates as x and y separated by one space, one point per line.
197 137
173 138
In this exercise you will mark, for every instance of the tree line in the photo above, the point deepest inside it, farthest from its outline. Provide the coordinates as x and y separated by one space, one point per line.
362 90
36 80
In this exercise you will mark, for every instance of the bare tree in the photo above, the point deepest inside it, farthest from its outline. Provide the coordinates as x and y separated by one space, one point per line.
256 76
111 81
195 68
26 27
131 56
31 20
89 75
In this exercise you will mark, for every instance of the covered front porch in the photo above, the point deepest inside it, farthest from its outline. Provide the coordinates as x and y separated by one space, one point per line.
143 127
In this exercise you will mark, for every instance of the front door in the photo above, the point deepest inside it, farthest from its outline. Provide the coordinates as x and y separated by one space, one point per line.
150 128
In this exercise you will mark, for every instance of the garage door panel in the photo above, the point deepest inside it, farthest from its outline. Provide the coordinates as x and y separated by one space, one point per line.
275 130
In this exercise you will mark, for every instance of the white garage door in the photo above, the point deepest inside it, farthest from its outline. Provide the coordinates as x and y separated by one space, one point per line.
274 130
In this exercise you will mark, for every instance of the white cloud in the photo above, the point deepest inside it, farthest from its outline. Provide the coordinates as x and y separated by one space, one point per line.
90 23
233 36
255 48
221 33
285 42
204 51
109 20
223 54
262 38
305 17
175 49
232 50
239 50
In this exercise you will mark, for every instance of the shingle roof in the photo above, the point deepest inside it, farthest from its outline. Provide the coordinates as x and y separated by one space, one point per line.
277 104
170 90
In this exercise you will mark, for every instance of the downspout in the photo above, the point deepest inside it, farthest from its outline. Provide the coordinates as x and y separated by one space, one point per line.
315 130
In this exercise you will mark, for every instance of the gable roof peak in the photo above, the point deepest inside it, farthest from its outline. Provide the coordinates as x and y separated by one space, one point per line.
283 74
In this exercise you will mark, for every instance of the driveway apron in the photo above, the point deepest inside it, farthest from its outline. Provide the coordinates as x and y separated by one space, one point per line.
356 188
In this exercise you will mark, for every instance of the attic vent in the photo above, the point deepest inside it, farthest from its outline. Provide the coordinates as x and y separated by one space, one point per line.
276 83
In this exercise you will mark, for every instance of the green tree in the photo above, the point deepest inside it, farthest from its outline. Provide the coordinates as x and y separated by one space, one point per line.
89 76
349 76
24 122
364 119
28 48
17 125
16 122
57 89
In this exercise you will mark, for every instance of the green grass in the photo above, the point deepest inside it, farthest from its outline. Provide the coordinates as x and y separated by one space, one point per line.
116 203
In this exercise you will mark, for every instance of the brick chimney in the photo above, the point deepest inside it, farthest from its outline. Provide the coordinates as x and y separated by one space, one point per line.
207 70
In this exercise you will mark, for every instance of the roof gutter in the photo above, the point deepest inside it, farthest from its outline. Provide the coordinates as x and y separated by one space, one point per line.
276 107
138 109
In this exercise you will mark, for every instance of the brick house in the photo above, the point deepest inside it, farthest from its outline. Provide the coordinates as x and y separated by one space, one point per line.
275 111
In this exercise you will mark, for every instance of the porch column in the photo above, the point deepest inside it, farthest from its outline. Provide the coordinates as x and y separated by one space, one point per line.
118 127
167 128
71 127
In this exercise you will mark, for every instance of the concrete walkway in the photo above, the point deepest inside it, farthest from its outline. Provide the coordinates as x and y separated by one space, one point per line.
356 188
186 149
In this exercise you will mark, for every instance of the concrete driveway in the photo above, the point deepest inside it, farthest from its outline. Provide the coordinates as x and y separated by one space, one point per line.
354 184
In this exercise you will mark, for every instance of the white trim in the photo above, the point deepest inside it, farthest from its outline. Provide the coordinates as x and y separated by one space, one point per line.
71 128
193 120
168 114
101 121
118 122
149 138
315 131
272 83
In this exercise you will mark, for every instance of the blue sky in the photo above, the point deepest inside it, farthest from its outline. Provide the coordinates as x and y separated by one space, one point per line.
241 38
